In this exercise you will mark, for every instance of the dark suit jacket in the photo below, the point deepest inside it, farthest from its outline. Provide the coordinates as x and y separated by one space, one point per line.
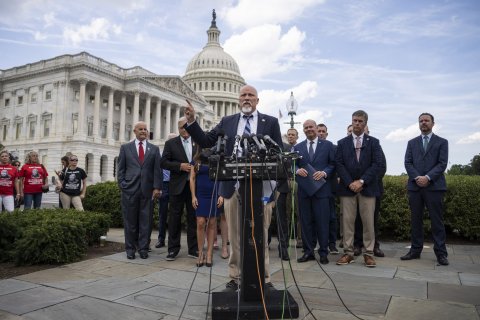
267 125
133 176
282 185
323 160
350 169
432 163
174 155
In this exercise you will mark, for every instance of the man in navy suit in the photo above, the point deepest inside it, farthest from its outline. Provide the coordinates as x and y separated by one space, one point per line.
140 180
177 157
315 208
232 126
359 162
426 159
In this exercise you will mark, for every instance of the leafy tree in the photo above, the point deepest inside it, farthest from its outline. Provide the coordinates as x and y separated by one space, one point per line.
460 169
475 164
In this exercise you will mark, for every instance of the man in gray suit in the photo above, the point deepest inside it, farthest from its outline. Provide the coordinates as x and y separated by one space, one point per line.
140 179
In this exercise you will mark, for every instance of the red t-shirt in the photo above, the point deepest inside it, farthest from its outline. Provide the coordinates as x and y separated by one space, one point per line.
8 174
34 175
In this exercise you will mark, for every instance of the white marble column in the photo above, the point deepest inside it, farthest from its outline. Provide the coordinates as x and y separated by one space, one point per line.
95 165
168 120
177 117
81 108
147 111
96 112
136 107
136 111
123 111
110 117
222 109
158 132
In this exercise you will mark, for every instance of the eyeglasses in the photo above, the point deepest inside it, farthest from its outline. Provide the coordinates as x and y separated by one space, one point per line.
17 165
73 159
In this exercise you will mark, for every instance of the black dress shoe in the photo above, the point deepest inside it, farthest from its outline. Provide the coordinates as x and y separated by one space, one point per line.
160 244
305 258
232 285
323 260
410 255
130 256
144 255
377 252
442 260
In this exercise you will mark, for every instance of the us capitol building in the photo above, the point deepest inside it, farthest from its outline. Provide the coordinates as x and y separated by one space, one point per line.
88 106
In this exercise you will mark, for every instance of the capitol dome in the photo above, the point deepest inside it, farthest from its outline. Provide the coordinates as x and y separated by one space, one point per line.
214 74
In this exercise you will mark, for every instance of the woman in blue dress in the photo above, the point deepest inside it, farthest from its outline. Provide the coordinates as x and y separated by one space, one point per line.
206 202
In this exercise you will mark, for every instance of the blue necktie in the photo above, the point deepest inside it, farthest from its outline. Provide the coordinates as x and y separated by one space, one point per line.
310 151
247 129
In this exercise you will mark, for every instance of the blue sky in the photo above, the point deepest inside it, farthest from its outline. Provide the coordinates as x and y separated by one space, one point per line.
393 59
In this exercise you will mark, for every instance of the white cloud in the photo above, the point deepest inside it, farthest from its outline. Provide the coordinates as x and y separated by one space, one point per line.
49 19
98 29
403 134
39 36
264 50
251 13
473 138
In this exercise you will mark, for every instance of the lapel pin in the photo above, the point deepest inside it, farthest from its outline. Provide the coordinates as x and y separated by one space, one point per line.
263 120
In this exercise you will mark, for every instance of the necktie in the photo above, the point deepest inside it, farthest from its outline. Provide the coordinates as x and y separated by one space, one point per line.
425 143
358 147
310 151
247 129
186 146
141 152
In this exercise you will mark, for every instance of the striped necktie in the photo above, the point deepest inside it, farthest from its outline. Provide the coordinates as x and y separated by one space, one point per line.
247 129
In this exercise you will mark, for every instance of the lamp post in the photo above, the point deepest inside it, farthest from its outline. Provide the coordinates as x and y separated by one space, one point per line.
292 107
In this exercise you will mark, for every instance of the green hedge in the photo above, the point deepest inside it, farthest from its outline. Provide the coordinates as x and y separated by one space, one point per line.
49 235
462 207
106 197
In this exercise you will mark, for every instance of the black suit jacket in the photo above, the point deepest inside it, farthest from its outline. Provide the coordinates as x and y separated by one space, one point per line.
174 155
432 162
350 169
266 125
132 176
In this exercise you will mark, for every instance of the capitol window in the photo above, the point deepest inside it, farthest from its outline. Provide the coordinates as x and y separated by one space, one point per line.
33 97
5 132
20 99
77 95
46 127
33 125
7 102
18 130
48 95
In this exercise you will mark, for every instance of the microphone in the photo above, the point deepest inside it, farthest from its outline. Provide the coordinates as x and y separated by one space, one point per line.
220 135
271 141
245 145
260 138
235 146
261 148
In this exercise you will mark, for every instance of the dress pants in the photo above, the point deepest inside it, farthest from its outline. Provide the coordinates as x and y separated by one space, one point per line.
315 219
358 239
163 212
233 214
433 200
137 211
366 206
177 203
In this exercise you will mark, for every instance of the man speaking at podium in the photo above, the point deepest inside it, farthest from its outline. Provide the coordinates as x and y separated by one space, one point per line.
247 121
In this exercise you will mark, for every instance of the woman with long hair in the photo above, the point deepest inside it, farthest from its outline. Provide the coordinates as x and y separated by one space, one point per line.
204 194
8 182
33 181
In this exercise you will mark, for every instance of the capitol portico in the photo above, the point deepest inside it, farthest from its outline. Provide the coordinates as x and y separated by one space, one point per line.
86 105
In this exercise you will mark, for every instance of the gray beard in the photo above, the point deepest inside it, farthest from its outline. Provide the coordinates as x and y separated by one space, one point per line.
247 110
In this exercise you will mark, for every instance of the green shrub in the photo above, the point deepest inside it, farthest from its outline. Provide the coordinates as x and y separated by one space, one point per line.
105 197
462 207
49 235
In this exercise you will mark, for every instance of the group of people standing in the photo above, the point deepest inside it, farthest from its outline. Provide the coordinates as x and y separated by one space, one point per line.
26 183
351 170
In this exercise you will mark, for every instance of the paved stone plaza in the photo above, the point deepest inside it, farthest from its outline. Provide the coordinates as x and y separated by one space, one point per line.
113 287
